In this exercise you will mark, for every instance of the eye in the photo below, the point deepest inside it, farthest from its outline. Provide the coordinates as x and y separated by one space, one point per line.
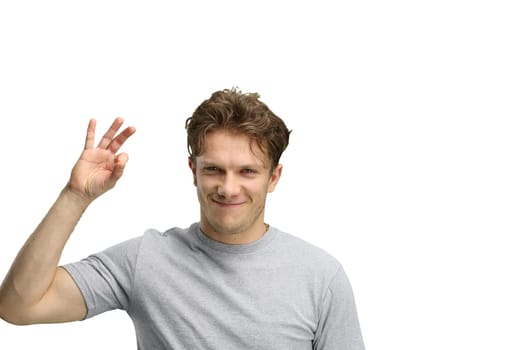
211 169
248 171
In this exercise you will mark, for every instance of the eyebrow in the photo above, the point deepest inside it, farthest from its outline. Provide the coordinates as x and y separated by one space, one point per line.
206 163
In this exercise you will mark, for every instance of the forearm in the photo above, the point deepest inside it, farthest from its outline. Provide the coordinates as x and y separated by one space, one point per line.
35 266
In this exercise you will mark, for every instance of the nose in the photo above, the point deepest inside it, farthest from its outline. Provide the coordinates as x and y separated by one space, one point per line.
229 187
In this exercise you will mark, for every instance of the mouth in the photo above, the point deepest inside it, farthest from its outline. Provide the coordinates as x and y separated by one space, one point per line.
227 204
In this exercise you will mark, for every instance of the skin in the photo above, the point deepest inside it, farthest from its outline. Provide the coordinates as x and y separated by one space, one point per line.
233 178
35 289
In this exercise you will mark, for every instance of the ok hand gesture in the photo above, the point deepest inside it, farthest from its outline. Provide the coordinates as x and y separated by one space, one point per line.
99 168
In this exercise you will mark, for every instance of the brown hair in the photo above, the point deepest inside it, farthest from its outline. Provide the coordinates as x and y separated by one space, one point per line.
233 110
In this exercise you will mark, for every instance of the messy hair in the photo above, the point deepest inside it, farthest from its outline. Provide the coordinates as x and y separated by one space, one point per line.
238 112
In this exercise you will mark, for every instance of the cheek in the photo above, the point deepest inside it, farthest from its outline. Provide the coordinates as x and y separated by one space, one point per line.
204 184
259 190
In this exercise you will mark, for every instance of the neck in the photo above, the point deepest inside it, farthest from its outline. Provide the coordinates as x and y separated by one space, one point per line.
234 237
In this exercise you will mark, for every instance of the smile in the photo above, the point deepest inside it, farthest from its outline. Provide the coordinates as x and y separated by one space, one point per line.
226 204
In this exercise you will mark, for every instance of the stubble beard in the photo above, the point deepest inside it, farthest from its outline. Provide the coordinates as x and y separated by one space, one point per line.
232 226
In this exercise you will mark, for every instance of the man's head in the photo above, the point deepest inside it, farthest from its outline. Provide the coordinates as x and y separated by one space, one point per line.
235 143
241 113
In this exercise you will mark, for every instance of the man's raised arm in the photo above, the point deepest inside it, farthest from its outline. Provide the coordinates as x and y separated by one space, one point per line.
35 289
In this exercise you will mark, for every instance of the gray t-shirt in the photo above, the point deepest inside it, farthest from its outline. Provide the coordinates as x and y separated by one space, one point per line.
185 291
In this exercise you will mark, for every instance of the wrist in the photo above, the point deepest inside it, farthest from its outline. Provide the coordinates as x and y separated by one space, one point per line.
75 197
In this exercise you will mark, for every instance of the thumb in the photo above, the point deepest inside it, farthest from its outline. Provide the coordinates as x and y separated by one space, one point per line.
119 165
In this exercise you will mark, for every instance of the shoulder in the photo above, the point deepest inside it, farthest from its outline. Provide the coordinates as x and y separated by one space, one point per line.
175 235
307 254
169 244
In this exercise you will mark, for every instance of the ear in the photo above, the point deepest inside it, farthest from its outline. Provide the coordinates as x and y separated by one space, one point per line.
193 167
274 178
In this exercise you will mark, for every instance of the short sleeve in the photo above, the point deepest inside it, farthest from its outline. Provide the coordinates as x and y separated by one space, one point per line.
338 327
106 279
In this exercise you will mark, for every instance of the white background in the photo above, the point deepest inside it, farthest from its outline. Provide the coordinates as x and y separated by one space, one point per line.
406 159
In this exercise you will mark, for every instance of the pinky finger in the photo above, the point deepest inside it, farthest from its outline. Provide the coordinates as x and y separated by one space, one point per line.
90 135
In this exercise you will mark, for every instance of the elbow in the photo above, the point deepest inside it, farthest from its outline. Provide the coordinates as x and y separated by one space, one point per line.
9 318
3 314
12 321
10 315
16 320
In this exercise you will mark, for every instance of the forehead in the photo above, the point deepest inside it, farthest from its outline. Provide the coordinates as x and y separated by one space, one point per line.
229 146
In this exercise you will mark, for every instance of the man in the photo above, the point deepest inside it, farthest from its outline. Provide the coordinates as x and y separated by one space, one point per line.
229 281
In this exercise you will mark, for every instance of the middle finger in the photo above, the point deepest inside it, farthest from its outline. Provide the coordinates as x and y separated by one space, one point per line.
108 136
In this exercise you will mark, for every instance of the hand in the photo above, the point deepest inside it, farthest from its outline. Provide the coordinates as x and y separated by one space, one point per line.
98 169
